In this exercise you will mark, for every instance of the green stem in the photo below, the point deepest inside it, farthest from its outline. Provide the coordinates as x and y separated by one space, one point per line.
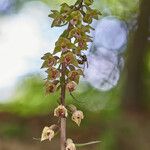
86 144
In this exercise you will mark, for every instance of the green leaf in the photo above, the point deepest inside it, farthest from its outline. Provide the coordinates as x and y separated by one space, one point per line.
57 49
87 19
46 56
65 8
75 62
88 2
78 2
54 14
57 22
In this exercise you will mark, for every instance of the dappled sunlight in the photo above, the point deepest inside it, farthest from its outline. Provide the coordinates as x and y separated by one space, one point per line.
105 60
111 33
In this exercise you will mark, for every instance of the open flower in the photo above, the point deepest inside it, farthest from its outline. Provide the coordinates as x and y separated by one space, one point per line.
70 145
71 86
76 18
73 75
77 116
49 60
60 111
63 44
50 87
53 73
69 58
47 133
76 33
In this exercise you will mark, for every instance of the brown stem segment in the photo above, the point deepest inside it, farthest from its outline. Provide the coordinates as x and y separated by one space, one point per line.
63 120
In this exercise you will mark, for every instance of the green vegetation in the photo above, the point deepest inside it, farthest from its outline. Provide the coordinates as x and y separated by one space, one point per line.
30 100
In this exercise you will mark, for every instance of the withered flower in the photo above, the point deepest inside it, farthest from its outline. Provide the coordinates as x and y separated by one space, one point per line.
70 145
47 133
60 111
77 116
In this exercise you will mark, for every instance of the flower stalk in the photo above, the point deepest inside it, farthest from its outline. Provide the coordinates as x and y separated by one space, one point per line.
86 144
65 71
63 120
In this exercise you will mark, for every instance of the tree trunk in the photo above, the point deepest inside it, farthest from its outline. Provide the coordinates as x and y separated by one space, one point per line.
134 88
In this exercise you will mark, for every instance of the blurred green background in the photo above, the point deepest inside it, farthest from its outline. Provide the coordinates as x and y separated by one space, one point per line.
119 117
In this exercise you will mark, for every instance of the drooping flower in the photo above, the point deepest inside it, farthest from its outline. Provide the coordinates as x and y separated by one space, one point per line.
70 145
63 44
76 33
60 111
75 75
69 58
77 116
47 134
53 73
49 60
71 86
50 87
90 15
76 18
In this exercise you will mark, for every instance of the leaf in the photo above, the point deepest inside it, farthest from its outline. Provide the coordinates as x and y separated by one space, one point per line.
78 2
65 8
64 34
44 65
57 49
54 14
88 2
46 56
57 22
75 62
58 88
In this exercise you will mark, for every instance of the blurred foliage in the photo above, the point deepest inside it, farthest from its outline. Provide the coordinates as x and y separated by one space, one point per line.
122 9
30 98
8 130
